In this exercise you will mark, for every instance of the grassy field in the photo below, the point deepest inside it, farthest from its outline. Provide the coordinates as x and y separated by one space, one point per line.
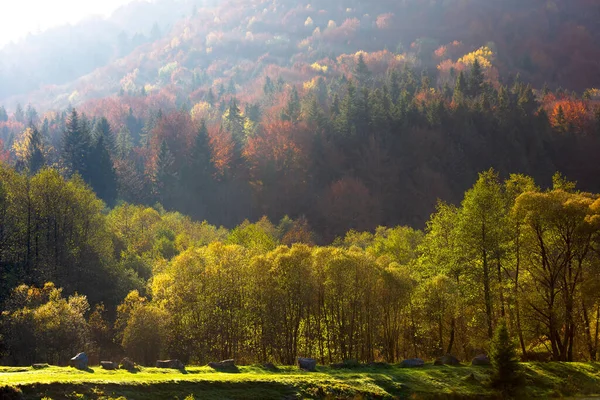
431 382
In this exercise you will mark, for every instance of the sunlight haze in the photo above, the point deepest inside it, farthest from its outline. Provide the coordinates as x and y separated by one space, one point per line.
32 16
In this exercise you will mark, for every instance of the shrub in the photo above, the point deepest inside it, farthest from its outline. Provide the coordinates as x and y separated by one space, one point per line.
506 376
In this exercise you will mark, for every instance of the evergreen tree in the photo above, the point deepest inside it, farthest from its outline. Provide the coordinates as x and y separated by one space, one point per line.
34 154
164 176
124 143
103 130
361 71
3 114
476 78
460 88
234 123
76 145
19 114
103 177
210 97
31 115
503 356
293 108
198 175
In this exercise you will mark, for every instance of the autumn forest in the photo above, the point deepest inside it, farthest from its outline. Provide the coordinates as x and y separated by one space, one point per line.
266 180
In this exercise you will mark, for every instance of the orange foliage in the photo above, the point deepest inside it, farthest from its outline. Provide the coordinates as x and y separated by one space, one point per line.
4 154
222 145
178 131
385 21
576 113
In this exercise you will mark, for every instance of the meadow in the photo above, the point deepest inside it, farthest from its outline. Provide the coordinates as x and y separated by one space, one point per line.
541 380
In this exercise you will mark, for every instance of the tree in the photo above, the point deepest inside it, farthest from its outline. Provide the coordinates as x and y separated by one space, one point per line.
103 130
33 150
3 114
476 78
164 174
506 375
361 71
76 146
102 175
460 88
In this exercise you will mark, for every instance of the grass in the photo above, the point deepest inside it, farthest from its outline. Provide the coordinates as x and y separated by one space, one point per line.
431 382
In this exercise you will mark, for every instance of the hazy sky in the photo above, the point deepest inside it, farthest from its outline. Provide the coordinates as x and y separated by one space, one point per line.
18 17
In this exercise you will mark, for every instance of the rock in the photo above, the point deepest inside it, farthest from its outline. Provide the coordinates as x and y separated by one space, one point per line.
39 366
481 359
448 359
412 363
307 364
225 365
174 364
109 365
80 361
270 367
127 364
470 378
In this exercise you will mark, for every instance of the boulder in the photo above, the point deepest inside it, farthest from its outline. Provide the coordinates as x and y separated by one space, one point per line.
448 359
80 361
174 364
307 364
481 359
127 364
39 366
109 365
412 363
225 365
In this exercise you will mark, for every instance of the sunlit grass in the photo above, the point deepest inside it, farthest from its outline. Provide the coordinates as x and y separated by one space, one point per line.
541 380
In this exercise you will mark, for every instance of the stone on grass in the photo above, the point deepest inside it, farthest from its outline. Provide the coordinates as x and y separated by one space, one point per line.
412 363
127 364
109 365
481 359
174 364
307 364
225 365
39 366
448 359
347 364
80 361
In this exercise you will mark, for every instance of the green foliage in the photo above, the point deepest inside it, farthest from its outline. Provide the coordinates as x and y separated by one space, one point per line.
506 376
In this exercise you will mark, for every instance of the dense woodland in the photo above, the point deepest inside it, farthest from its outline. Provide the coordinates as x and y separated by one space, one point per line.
126 195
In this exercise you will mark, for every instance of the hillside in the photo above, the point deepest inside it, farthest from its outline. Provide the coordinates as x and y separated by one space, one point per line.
552 42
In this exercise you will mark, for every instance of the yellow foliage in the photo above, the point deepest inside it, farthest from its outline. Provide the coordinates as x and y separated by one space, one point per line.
310 85
484 55
320 68
200 110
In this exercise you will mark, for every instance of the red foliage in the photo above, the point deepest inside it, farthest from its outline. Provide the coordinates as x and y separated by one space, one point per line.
178 131
4 154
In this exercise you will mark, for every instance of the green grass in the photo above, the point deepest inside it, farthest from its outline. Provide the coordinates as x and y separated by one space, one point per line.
541 381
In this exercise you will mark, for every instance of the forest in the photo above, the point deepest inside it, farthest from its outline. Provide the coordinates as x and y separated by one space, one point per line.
297 181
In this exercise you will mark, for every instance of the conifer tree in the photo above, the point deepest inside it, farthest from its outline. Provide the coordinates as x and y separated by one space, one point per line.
3 114
476 78
164 176
103 130
460 88
102 174
19 114
76 145
34 155
361 71
503 356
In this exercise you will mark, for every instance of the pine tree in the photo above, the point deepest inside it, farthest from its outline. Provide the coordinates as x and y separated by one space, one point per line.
103 177
234 123
361 71
103 130
164 176
3 114
292 110
76 145
506 376
124 143
210 97
460 88
31 115
34 154
476 78
19 114
198 175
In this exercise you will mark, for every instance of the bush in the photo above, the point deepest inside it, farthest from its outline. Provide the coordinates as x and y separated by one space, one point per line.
506 376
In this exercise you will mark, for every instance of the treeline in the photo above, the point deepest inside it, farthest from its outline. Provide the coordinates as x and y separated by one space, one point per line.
263 292
376 149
